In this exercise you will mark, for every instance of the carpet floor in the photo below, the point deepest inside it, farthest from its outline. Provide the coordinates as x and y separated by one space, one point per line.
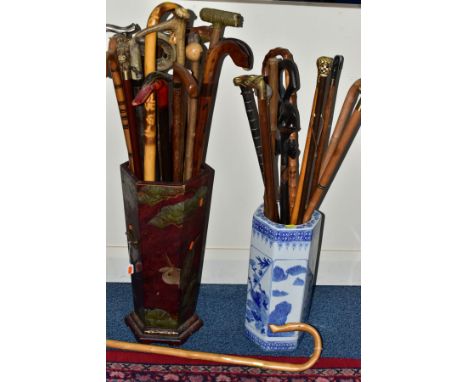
335 312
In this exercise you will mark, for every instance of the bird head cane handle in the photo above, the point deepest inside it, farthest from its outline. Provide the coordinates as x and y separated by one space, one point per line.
234 359
220 19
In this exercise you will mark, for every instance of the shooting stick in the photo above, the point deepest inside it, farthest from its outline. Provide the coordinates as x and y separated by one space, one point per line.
234 359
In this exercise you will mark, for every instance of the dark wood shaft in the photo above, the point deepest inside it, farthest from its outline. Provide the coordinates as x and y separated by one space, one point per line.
273 82
163 123
328 111
293 163
113 66
133 129
254 123
242 56
346 110
336 159
270 207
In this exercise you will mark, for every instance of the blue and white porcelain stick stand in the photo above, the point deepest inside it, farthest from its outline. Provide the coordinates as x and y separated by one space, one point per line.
282 274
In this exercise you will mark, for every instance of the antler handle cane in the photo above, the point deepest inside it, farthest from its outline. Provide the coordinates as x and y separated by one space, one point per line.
234 359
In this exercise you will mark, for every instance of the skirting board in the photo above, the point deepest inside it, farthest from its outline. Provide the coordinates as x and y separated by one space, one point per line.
230 266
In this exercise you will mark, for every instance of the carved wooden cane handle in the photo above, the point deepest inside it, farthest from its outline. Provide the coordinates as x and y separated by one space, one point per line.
234 359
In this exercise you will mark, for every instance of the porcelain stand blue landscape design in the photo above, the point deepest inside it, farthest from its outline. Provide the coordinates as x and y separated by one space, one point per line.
282 273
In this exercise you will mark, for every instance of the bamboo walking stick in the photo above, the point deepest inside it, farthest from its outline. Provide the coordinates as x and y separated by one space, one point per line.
242 56
305 177
113 68
149 167
346 110
177 25
332 167
329 109
234 359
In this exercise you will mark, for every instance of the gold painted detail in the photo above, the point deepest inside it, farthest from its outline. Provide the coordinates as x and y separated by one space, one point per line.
324 66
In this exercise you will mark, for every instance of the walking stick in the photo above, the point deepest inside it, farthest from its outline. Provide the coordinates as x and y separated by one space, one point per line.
159 83
177 25
220 20
288 123
305 177
270 207
293 163
234 359
113 68
193 51
150 66
332 167
244 82
191 87
123 54
346 110
242 56
329 109
273 82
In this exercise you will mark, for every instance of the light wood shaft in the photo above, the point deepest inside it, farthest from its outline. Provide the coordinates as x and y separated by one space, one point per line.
337 157
348 105
234 359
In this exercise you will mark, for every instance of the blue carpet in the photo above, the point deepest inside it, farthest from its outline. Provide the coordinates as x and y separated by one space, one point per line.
335 312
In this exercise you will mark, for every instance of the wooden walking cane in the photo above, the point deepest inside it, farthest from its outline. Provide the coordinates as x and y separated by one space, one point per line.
305 177
193 52
242 56
159 83
191 87
343 144
247 92
123 54
150 104
329 109
270 209
346 110
234 359
114 72
293 163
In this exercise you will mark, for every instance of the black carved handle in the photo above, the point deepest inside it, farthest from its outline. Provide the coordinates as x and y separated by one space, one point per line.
254 121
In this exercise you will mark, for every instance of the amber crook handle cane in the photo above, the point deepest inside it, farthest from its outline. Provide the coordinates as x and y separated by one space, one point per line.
233 359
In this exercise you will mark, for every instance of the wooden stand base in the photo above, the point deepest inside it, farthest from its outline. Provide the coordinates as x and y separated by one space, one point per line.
172 337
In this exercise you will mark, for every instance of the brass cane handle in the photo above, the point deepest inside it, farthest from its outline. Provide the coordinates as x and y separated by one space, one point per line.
234 359
324 66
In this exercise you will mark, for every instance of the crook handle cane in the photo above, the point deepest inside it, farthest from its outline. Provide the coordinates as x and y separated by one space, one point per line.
233 359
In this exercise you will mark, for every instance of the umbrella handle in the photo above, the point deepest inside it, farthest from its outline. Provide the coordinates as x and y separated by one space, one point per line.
233 359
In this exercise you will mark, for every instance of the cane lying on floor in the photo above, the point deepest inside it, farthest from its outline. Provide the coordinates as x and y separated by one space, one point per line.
233 359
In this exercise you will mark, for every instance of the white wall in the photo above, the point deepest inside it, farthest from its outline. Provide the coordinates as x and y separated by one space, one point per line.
308 31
